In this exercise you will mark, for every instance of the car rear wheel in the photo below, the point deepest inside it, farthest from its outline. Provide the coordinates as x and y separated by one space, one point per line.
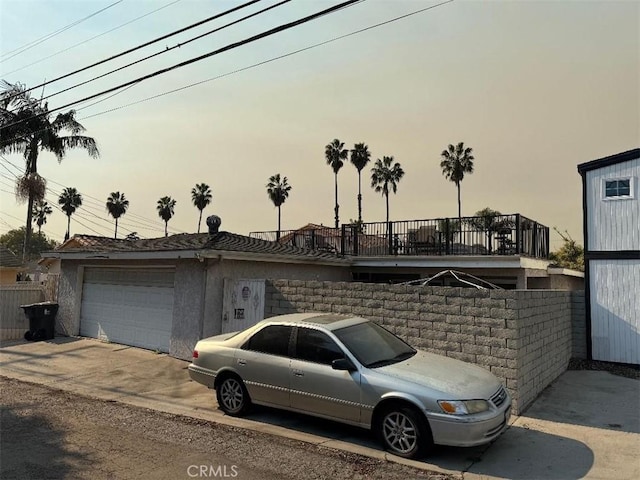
233 397
403 432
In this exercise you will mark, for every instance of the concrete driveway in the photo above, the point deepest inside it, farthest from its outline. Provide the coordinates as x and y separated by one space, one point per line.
585 425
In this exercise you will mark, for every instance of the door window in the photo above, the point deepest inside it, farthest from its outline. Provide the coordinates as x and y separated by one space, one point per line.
273 339
315 346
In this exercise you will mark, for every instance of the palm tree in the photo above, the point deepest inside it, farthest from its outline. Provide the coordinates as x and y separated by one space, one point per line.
69 201
360 156
385 175
165 207
117 206
278 191
26 127
41 210
456 161
335 153
201 197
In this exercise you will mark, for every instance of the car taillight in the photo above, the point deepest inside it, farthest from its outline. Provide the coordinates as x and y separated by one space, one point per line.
195 354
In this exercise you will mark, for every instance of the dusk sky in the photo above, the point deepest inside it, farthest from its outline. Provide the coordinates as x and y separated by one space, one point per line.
535 88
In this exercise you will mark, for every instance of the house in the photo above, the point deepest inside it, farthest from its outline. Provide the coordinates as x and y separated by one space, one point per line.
611 218
10 266
166 293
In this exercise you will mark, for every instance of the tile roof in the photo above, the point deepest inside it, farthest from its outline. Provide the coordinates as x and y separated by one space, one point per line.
8 259
221 241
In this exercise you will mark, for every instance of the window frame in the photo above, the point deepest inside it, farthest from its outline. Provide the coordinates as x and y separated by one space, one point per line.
245 345
632 189
294 352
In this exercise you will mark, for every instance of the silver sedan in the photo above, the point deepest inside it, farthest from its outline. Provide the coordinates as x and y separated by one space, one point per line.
351 370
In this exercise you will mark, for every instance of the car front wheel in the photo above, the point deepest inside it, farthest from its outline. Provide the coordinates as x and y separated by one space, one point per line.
232 396
404 433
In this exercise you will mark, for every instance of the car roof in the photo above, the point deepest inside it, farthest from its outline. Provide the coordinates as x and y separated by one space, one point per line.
329 321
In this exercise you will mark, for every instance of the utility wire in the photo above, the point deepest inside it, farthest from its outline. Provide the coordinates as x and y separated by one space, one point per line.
168 49
231 46
273 59
146 44
30 45
93 38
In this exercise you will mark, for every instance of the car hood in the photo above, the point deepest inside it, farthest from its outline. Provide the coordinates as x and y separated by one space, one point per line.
458 379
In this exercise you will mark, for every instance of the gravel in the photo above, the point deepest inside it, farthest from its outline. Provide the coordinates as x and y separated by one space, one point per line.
621 369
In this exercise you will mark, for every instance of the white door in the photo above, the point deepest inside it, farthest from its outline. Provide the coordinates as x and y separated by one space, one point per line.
242 304
615 310
128 306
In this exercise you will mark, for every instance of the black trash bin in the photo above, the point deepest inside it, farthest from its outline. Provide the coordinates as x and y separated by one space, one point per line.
42 320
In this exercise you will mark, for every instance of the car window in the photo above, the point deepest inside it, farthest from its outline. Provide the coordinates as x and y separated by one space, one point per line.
273 339
315 346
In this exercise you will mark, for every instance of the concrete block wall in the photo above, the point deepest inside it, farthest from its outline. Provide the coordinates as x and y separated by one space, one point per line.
578 325
478 326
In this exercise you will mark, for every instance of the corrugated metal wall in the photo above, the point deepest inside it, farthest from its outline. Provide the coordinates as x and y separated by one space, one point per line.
613 224
13 322
615 310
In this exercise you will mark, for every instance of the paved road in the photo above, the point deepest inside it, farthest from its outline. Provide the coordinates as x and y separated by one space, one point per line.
48 433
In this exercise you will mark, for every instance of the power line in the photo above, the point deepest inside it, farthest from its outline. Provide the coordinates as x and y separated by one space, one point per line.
273 59
151 42
40 40
231 46
93 38
168 49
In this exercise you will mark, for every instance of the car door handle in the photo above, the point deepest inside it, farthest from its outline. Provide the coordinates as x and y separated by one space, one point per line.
242 362
298 373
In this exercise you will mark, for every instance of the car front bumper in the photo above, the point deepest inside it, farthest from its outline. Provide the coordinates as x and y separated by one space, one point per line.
469 431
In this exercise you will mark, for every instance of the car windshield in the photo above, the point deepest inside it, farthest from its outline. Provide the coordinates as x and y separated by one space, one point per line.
374 346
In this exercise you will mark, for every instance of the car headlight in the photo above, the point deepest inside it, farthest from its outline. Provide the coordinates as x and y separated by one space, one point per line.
463 407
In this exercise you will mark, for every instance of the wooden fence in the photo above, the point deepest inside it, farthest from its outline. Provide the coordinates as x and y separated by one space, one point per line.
13 322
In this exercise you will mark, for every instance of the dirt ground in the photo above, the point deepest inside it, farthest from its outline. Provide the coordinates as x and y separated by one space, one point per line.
47 433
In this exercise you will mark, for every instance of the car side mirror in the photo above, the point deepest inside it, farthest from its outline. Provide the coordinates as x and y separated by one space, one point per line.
343 364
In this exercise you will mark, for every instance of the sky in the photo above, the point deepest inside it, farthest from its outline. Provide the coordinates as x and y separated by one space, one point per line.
535 88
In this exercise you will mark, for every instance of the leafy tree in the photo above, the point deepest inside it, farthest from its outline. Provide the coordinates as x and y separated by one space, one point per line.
335 154
385 174
27 127
360 157
278 190
449 229
14 241
570 254
117 206
201 197
489 222
165 207
69 201
456 161
41 210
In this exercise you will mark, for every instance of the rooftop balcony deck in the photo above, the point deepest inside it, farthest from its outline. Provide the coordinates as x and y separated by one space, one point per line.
488 235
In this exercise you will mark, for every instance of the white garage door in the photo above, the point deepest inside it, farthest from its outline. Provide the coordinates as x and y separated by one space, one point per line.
615 310
128 306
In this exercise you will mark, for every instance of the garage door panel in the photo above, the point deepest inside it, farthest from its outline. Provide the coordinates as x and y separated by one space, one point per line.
129 314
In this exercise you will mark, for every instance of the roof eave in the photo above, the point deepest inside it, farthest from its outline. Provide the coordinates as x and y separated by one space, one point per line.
610 160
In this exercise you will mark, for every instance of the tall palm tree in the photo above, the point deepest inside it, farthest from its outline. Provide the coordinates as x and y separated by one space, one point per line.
165 207
69 200
117 206
201 197
27 127
384 174
456 161
41 210
278 191
335 154
360 156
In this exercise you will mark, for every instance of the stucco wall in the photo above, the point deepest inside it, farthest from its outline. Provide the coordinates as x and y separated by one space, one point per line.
188 308
69 298
523 337
218 270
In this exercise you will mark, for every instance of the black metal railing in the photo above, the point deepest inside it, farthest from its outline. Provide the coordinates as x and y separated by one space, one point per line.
480 235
